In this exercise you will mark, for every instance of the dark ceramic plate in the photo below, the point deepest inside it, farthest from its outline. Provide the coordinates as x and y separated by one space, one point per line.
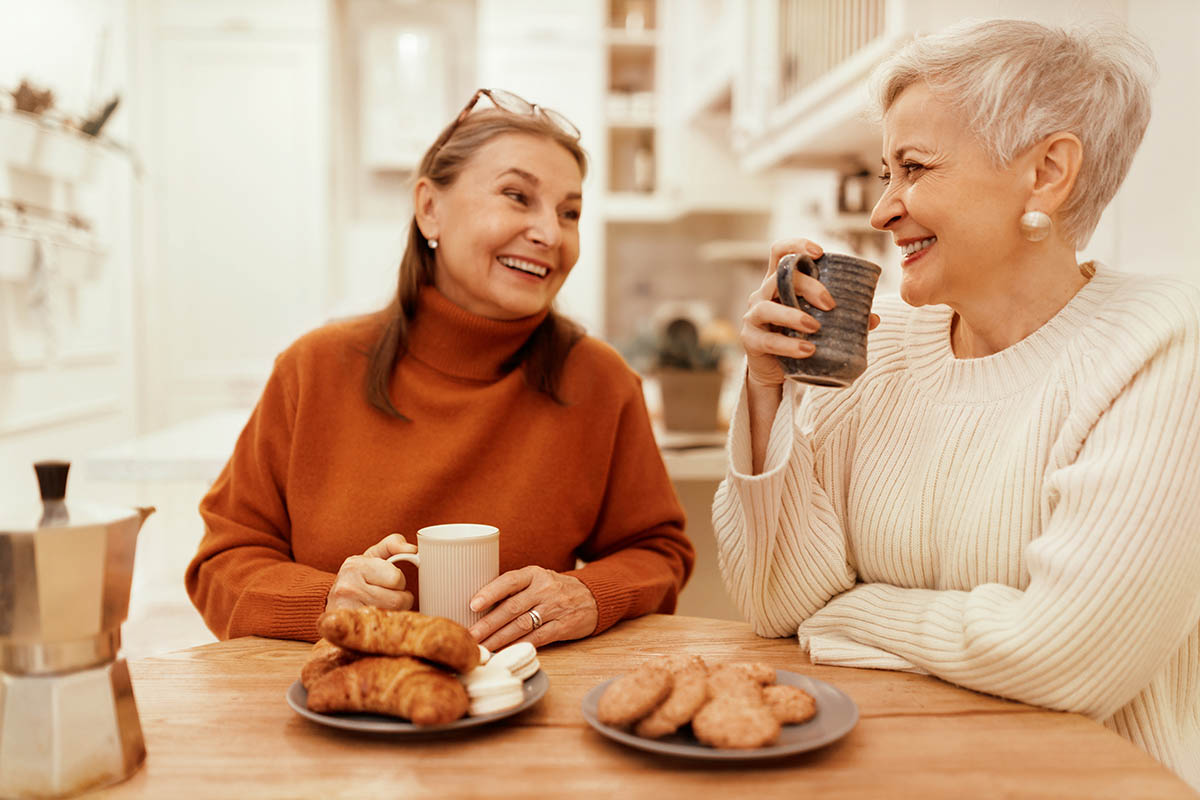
535 687
836 716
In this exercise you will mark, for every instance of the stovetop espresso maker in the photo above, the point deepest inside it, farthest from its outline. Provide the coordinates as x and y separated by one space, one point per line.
68 720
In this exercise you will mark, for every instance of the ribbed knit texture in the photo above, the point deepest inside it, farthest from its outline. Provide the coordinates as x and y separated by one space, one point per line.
1025 524
319 475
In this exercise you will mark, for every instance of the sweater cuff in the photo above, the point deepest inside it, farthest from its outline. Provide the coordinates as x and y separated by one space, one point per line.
291 613
842 651
611 594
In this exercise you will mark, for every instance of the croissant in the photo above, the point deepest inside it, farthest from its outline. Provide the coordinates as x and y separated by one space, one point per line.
399 686
324 657
401 633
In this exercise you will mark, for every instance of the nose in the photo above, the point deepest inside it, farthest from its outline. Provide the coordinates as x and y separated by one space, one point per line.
887 211
545 230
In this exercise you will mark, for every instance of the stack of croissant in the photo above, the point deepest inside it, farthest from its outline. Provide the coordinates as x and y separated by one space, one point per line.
400 663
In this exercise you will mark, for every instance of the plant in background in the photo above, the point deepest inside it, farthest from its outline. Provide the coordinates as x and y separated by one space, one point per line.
32 100
91 126
680 344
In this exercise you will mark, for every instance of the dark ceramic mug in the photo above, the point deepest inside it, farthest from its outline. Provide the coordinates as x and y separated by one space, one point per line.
841 343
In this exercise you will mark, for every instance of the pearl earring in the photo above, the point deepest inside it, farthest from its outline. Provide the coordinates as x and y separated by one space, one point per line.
1035 225
433 244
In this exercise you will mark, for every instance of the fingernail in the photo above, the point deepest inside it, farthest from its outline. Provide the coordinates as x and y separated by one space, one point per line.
813 250
827 303
476 604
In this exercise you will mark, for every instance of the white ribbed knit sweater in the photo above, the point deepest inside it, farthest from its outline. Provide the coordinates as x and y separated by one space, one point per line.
1025 524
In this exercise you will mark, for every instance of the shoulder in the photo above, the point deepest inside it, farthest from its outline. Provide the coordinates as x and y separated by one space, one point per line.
594 369
337 345
1143 316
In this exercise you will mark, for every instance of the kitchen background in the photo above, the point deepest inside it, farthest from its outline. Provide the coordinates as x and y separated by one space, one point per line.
252 182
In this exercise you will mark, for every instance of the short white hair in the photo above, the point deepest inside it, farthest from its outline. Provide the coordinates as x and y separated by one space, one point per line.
1017 82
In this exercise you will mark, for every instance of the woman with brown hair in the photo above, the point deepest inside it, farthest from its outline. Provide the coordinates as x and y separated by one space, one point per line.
467 399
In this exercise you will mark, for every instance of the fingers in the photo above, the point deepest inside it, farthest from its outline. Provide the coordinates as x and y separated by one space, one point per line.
782 247
390 545
565 605
873 322
367 580
507 584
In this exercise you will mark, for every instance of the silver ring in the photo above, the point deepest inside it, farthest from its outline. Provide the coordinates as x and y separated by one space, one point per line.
535 618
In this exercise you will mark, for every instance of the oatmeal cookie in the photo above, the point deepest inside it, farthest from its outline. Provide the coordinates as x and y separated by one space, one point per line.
688 693
790 704
730 722
634 695
760 673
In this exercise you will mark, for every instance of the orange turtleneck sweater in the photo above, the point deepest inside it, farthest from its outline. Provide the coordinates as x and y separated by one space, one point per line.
318 474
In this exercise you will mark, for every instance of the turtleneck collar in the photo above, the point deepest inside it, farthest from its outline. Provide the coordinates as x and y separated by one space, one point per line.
1011 370
462 344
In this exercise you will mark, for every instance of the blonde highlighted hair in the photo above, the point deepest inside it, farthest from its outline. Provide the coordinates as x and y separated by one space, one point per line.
1016 82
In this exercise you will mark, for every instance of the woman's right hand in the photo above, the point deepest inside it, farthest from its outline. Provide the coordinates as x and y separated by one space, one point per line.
761 343
369 580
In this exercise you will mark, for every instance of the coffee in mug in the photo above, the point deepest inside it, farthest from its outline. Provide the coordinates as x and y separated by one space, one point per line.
454 561
841 343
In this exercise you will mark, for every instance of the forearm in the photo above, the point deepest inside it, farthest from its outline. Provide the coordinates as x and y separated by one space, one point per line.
762 401
779 535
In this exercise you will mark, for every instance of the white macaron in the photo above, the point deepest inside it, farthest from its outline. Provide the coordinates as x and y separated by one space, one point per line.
491 689
520 659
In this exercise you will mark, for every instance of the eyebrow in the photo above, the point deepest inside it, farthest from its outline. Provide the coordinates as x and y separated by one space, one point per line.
529 176
899 152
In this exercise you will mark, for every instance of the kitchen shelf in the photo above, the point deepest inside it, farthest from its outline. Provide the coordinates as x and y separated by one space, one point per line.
646 207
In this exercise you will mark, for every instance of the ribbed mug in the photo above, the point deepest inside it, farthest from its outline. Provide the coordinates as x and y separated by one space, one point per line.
454 561
841 343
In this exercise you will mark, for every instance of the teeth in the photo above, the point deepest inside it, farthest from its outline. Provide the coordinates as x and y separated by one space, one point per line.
909 249
524 266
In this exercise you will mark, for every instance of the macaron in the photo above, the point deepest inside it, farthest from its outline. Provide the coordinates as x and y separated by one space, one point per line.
520 659
492 688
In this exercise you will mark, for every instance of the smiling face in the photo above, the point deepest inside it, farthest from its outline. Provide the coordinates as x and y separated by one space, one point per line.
949 209
507 228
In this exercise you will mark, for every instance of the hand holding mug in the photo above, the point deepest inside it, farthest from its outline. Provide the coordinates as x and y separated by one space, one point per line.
776 328
533 605
760 338
369 580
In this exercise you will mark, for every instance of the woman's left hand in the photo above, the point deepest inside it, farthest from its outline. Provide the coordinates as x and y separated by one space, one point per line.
564 604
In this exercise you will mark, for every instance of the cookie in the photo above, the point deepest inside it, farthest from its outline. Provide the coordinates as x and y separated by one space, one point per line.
520 659
733 723
688 693
790 704
760 673
733 684
492 688
634 695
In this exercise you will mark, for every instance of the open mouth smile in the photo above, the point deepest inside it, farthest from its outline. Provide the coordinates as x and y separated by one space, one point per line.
526 267
913 250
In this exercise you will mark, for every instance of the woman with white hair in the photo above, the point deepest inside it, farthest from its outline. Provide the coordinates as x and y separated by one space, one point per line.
1009 497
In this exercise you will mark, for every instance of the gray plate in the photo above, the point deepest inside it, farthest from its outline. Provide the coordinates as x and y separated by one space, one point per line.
836 716
535 686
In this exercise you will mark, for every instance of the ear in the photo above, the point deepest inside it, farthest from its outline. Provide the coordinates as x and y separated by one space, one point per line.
426 208
1056 162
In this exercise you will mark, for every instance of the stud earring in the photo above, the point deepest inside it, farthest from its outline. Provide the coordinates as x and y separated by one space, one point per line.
433 244
1035 225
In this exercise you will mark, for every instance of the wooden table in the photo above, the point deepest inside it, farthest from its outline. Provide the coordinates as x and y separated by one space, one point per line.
217 725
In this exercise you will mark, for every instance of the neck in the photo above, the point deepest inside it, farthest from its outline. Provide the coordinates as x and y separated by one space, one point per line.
1004 314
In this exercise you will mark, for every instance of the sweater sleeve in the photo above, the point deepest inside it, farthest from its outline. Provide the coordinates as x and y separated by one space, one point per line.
1114 579
243 579
638 555
782 550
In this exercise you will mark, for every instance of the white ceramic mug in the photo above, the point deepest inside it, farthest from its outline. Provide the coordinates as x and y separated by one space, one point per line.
454 561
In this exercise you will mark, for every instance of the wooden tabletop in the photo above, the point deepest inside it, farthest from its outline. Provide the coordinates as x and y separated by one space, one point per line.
216 724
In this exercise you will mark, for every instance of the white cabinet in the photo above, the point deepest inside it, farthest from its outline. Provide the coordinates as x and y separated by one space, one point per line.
238 158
